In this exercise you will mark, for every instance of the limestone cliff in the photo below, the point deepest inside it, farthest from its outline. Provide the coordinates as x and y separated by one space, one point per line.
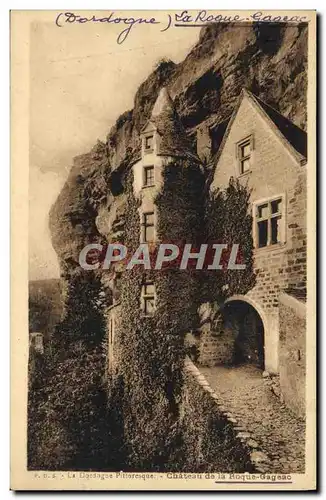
269 60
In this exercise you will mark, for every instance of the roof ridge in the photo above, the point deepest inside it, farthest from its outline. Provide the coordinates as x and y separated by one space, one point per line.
295 137
260 101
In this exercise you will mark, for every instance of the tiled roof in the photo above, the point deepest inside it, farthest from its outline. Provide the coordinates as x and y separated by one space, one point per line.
294 138
293 134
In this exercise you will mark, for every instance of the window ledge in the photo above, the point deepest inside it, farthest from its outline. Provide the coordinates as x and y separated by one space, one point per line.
270 248
244 174
146 186
144 315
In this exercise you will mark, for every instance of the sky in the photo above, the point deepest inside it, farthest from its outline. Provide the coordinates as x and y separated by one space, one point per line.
81 80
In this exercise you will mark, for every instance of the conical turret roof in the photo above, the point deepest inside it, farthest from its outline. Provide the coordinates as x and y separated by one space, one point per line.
173 138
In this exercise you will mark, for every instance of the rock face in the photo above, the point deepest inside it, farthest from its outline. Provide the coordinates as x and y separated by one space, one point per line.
269 60
72 217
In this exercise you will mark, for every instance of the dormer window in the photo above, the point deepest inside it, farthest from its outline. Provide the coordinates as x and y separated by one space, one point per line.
244 155
149 176
149 138
149 143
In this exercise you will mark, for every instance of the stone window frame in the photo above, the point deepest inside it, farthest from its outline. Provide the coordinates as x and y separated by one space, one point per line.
248 140
145 225
148 150
39 342
263 201
145 179
146 297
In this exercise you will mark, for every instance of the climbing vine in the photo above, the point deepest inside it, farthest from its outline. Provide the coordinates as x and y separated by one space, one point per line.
151 349
136 419
228 221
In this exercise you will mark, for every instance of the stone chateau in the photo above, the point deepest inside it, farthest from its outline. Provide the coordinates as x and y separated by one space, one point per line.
268 153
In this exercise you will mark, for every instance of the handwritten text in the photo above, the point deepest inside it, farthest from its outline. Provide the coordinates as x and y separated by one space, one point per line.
176 20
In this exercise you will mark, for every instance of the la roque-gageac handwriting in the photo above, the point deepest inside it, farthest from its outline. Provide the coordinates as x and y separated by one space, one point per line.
176 20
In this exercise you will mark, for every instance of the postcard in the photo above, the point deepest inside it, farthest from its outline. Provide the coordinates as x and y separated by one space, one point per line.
163 250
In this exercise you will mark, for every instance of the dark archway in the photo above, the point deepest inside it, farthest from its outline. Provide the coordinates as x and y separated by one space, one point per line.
244 323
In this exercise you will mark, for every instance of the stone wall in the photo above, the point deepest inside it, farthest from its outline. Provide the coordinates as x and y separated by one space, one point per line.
296 271
284 267
292 353
274 172
212 439
215 344
216 347
233 335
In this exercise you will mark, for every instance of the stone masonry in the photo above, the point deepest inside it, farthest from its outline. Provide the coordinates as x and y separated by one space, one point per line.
293 353
277 170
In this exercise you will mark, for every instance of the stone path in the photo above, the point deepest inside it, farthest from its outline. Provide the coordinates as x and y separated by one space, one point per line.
279 434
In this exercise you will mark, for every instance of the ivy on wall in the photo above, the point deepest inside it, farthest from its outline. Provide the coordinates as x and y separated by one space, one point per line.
151 349
140 380
138 419
228 220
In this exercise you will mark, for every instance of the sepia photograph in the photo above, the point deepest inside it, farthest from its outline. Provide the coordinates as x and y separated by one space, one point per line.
164 325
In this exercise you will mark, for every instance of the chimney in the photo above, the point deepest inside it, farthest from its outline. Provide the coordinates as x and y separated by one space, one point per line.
204 142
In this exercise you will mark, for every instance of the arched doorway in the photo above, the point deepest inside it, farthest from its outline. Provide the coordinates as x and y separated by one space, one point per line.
245 325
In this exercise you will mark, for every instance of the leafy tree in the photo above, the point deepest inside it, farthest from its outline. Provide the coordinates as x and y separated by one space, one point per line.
67 399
